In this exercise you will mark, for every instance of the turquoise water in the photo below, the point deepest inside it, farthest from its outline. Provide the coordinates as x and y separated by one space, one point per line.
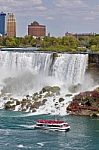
16 133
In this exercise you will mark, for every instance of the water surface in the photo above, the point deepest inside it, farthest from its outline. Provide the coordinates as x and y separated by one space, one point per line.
16 133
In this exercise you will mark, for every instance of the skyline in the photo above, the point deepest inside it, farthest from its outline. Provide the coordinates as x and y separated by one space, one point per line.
77 16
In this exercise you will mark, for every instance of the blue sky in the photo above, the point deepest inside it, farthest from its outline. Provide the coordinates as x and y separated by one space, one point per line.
59 16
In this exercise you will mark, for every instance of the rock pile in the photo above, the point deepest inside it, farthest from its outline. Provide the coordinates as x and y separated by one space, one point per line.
86 103
32 103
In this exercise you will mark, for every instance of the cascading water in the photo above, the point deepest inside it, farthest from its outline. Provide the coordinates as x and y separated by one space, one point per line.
22 72
67 68
28 69
70 68
18 62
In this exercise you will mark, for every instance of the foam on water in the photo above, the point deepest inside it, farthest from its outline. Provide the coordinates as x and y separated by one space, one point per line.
21 146
40 144
27 126
52 106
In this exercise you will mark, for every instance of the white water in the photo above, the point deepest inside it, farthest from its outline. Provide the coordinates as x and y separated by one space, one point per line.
29 72
70 68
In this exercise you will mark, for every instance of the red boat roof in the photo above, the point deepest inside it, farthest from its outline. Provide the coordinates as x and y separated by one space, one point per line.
50 121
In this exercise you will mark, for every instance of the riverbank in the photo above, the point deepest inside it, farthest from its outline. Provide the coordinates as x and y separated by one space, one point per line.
63 44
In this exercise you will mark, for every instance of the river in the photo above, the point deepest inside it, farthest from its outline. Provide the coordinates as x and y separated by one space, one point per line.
16 133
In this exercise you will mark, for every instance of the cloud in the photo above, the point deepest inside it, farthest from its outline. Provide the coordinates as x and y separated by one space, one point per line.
76 10
70 7
72 13
22 2
19 4
50 18
23 7
93 14
89 18
41 8
69 3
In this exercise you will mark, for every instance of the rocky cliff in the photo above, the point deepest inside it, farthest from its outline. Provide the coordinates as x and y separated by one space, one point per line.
85 103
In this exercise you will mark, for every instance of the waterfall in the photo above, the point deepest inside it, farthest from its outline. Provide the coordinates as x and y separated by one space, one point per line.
68 69
15 61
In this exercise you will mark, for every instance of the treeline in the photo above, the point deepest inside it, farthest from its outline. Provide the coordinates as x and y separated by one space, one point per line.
65 43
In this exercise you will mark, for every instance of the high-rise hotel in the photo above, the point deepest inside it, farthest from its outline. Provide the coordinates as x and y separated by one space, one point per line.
2 23
11 25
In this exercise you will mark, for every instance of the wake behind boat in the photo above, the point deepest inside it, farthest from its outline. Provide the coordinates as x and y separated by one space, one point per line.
56 125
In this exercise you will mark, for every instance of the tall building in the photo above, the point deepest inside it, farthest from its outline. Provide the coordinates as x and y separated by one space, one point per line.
2 23
36 30
11 25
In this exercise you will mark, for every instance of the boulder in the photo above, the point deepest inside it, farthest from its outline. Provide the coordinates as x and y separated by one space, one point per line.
5 98
45 89
35 96
68 95
53 89
18 102
49 94
56 103
9 105
44 101
74 88
61 99
37 104
94 115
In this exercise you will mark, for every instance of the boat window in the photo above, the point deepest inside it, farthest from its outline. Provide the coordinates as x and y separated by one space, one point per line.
51 125
40 125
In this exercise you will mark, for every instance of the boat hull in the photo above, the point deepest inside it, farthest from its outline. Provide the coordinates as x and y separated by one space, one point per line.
52 128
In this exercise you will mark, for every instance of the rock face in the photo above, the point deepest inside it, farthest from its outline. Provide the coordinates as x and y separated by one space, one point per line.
94 59
86 103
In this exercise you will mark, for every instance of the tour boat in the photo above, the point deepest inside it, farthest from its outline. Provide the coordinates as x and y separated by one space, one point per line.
57 125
